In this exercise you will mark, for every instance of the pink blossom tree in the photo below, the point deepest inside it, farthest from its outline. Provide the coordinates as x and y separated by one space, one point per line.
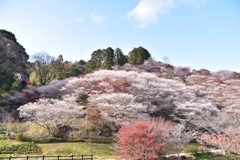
144 139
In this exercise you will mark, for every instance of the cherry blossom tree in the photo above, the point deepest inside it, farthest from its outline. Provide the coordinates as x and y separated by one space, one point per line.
53 114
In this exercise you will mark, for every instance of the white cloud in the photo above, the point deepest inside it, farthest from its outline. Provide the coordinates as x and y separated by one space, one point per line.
147 11
97 17
80 19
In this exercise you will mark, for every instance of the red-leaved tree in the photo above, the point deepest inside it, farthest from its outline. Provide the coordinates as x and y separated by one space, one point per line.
144 139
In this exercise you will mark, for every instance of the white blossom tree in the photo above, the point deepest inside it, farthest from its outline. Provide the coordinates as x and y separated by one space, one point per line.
53 114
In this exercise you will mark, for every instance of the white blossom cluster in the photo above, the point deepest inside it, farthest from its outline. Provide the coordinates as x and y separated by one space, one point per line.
121 96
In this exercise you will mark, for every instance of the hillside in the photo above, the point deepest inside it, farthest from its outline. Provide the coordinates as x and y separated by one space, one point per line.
220 87
129 93
13 59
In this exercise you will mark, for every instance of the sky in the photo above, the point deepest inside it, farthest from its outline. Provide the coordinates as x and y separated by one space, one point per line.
191 33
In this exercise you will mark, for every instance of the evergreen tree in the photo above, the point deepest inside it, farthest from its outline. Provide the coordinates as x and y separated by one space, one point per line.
108 59
138 55
119 57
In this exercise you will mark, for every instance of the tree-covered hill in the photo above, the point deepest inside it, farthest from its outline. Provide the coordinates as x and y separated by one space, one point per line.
95 98
13 59
115 97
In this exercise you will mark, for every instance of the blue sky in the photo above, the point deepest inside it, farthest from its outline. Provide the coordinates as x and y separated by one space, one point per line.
194 33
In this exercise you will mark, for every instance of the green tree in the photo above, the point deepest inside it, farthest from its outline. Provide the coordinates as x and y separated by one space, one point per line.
138 55
74 70
98 57
82 62
90 66
109 58
119 57
96 61
57 68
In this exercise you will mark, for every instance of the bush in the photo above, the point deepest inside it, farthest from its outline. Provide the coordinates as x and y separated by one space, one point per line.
23 138
101 141
4 138
144 139
2 132
55 140
26 148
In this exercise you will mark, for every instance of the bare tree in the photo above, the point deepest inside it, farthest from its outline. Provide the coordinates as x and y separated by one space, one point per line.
42 66
181 136
8 123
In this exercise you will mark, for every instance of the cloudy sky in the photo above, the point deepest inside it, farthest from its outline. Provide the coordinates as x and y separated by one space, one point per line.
194 33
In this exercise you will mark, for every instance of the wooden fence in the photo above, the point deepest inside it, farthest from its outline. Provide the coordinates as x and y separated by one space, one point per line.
58 157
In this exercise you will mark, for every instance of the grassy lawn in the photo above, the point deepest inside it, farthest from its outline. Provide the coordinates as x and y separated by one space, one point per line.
105 151
100 151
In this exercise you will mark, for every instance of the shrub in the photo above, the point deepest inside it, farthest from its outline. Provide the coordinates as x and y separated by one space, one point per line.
55 140
24 138
26 148
144 139
4 138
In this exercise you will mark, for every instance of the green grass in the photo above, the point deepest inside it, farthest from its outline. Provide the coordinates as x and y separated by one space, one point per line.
104 151
100 151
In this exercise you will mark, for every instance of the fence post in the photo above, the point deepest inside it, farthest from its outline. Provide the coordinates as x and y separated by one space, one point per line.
27 158
72 156
58 157
43 157
10 158
82 157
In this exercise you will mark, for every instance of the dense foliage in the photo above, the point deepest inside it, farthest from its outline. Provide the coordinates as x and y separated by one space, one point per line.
138 55
25 148
105 59
13 59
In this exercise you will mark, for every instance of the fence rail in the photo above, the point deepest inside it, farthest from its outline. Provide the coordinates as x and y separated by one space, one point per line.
43 157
